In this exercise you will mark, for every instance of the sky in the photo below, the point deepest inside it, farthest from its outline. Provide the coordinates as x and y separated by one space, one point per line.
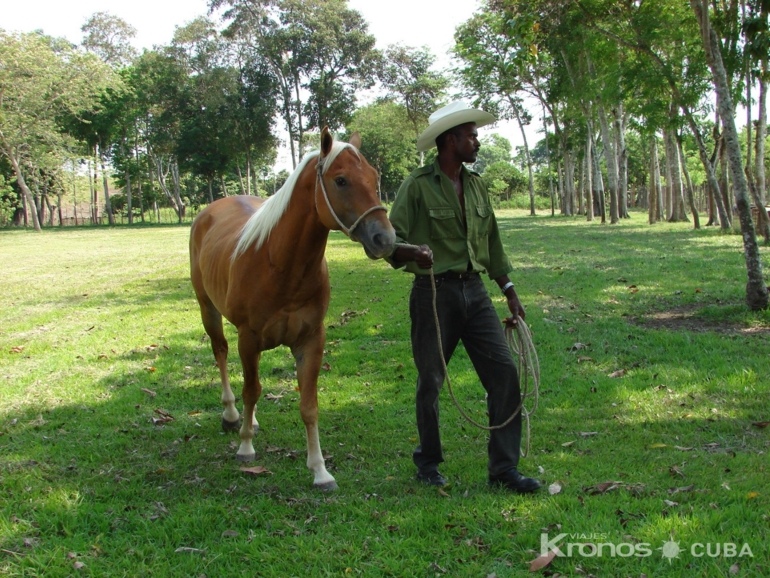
414 23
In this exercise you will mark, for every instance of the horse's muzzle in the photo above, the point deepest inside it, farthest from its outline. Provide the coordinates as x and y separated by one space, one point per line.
377 236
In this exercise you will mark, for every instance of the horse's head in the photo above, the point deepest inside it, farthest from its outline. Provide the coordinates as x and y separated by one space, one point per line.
348 196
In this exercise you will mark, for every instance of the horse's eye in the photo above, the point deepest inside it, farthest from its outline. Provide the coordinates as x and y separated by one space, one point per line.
341 182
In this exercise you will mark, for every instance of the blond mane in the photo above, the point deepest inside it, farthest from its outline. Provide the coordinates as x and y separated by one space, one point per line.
257 229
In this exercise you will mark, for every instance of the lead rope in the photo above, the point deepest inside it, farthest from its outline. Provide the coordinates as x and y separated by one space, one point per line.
521 346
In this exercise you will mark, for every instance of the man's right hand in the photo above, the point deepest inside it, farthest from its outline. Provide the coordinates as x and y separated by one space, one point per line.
421 255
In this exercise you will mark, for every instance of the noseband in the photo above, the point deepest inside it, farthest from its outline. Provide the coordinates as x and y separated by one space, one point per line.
346 230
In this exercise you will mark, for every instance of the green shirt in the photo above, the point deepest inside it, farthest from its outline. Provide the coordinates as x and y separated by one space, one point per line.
427 211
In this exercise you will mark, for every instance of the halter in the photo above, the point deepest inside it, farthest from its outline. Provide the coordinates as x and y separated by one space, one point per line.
346 230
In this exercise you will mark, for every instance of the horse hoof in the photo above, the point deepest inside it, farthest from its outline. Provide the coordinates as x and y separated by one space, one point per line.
230 426
245 457
326 486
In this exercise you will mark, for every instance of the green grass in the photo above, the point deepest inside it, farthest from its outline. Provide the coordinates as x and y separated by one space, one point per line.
91 318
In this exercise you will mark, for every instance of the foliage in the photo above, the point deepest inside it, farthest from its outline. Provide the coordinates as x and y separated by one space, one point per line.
42 80
320 48
386 142
503 179
494 148
407 78
8 202
109 37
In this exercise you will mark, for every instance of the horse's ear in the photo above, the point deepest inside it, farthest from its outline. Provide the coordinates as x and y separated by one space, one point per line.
327 140
355 139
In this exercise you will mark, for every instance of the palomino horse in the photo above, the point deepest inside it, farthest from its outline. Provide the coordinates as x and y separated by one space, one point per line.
261 264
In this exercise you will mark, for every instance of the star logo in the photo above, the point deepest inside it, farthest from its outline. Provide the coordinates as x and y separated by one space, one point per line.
670 550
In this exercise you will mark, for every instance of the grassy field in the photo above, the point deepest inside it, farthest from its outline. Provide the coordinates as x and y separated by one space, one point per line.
653 376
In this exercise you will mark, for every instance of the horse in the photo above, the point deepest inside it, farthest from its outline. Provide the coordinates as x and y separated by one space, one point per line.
261 265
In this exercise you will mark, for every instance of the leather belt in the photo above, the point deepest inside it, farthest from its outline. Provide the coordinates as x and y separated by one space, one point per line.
453 276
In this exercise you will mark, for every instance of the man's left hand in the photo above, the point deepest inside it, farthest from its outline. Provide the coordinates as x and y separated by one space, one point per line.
516 309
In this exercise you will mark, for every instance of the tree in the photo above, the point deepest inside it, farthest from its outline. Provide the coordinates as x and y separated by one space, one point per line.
494 148
109 37
228 106
493 65
504 179
756 289
162 89
383 127
407 78
42 80
319 53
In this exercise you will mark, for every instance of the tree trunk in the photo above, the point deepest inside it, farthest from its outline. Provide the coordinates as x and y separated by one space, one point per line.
28 203
724 180
177 193
529 160
569 181
763 224
708 165
652 216
58 209
548 158
129 192
676 187
688 183
580 186
74 194
92 191
248 173
712 206
589 171
24 202
609 153
300 128
620 139
47 200
598 192
611 161
39 204
652 213
107 203
139 195
240 178
666 208
172 194
761 133
756 290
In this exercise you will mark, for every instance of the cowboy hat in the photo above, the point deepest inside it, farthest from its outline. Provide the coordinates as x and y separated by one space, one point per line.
450 116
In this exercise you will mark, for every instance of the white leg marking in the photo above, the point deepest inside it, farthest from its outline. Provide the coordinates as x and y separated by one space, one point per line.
246 450
315 460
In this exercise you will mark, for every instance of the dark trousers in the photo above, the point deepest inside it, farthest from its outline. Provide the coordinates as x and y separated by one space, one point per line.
466 314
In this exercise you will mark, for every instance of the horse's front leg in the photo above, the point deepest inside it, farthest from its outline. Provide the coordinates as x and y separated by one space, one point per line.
309 356
249 351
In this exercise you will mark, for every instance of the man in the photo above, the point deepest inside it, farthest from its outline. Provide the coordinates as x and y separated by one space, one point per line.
444 209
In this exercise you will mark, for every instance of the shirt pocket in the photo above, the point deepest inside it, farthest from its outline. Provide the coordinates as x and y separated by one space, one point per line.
443 223
484 219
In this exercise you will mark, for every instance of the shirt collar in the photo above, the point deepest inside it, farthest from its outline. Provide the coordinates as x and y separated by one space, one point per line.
464 172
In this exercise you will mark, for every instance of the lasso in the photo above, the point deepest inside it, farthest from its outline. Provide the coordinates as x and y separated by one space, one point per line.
519 339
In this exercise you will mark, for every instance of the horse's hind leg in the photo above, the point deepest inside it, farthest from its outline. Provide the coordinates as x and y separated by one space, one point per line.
309 357
212 323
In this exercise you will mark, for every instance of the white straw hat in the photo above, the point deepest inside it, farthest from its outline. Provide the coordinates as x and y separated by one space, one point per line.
450 116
